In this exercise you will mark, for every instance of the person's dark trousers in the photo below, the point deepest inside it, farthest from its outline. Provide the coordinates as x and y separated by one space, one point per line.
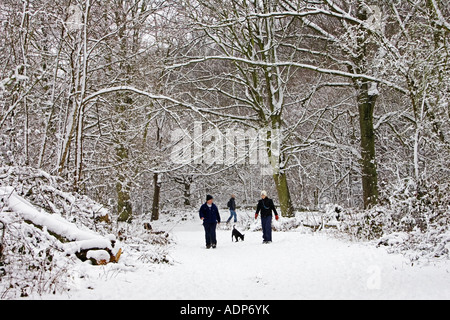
210 233
267 228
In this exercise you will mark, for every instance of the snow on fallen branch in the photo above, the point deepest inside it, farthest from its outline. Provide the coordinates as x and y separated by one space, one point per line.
74 240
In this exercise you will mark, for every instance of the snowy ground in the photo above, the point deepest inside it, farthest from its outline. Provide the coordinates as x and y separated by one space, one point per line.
296 265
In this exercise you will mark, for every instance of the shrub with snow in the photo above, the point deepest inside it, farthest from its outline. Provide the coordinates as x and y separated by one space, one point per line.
31 261
413 220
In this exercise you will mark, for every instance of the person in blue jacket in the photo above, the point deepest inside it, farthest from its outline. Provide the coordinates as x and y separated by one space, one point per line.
209 214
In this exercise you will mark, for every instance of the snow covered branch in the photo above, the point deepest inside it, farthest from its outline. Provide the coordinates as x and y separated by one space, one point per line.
327 71
441 19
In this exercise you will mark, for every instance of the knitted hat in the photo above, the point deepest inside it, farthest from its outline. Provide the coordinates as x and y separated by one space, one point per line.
209 197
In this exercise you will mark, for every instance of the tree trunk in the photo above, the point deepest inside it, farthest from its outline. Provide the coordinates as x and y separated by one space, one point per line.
83 86
366 106
123 186
367 96
187 194
274 143
2 236
156 197
124 103
284 195
124 207
79 152
186 182
24 41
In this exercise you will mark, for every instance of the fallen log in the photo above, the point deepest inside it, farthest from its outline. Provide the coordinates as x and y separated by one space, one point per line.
73 240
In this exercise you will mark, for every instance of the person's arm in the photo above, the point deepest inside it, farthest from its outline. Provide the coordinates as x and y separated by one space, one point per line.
274 210
258 210
218 215
201 214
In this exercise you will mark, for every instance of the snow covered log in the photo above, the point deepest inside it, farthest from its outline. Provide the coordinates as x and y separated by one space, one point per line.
98 257
73 240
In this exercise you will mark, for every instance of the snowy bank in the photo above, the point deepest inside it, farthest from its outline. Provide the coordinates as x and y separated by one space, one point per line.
56 225
52 238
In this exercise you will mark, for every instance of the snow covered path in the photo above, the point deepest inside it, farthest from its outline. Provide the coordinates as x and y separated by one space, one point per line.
295 266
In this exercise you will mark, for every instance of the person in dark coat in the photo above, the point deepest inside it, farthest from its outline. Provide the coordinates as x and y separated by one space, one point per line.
232 207
266 207
209 214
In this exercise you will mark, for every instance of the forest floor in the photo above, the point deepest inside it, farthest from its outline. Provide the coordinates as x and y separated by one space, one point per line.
297 265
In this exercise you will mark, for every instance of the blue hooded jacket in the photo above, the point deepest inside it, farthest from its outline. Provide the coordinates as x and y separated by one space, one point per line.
210 215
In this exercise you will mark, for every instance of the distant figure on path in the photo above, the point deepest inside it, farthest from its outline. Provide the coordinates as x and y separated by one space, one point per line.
209 214
232 206
266 206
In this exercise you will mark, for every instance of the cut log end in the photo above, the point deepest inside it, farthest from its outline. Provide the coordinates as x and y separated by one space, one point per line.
99 257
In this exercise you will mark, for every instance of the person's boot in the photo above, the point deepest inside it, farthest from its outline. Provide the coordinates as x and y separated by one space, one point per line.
208 246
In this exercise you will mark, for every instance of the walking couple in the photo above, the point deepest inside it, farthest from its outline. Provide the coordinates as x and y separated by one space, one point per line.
209 214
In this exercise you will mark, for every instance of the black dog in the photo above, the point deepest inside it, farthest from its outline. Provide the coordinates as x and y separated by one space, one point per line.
237 235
